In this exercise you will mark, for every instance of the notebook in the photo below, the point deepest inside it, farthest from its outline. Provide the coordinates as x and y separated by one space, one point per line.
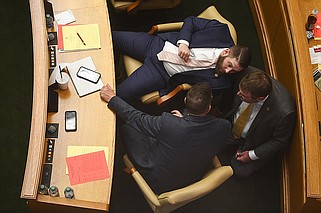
82 86
78 37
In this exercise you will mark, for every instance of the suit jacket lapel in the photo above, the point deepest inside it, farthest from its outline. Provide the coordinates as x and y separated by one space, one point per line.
266 109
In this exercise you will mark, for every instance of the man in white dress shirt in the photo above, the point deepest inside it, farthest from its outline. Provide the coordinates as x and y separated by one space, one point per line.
208 39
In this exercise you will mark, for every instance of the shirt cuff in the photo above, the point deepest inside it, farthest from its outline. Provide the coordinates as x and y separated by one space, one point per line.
252 155
182 42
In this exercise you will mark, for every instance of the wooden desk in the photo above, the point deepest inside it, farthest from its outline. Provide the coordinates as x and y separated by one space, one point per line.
96 123
281 29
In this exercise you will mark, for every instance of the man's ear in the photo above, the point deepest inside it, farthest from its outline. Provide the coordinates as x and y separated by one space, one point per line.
185 100
225 52
209 108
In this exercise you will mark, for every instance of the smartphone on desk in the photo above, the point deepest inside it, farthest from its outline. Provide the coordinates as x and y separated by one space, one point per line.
70 121
88 74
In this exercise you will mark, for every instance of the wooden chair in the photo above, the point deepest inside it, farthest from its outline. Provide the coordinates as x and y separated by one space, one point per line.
169 201
132 64
132 6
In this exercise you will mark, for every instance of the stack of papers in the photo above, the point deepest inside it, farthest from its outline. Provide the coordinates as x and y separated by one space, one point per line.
315 54
83 87
80 150
78 37
87 164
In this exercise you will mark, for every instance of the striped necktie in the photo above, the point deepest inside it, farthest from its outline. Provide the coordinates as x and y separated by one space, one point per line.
241 121
191 62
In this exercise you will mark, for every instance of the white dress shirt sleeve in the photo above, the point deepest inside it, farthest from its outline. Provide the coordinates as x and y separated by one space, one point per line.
252 155
182 42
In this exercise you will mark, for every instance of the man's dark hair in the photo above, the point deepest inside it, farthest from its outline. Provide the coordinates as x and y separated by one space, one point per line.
258 83
242 55
198 98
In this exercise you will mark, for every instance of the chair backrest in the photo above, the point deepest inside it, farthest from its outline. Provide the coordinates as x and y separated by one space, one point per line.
209 13
212 13
134 5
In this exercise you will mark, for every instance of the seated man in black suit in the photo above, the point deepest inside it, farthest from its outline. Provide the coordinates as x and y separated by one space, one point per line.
207 41
263 115
172 150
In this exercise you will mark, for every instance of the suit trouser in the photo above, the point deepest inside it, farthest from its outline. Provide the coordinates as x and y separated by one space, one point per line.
151 76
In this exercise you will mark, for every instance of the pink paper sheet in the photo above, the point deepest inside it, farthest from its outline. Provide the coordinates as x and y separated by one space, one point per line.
87 167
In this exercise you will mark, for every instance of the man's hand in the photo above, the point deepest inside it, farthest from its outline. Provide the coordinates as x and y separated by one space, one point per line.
183 51
106 93
243 156
177 113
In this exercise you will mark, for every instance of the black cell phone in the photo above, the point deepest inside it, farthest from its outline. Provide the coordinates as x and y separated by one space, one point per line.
88 74
70 121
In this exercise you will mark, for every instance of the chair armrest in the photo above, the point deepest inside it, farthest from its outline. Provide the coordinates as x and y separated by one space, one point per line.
147 191
161 100
175 26
132 9
150 97
192 192
216 162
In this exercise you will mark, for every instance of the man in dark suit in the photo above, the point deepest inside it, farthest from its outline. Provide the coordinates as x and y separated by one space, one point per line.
160 75
269 125
172 150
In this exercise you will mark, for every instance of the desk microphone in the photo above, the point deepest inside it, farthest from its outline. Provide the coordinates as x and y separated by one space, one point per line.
51 36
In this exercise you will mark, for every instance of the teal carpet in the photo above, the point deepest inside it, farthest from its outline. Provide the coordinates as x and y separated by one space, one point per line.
260 193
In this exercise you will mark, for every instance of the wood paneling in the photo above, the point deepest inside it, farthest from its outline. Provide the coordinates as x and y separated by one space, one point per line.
280 25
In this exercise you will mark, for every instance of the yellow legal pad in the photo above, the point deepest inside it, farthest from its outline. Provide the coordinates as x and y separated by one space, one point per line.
81 37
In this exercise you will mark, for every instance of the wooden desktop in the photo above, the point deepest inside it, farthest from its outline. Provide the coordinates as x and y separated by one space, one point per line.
281 30
95 122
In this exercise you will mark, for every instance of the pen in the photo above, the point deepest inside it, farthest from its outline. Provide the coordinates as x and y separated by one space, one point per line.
81 39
